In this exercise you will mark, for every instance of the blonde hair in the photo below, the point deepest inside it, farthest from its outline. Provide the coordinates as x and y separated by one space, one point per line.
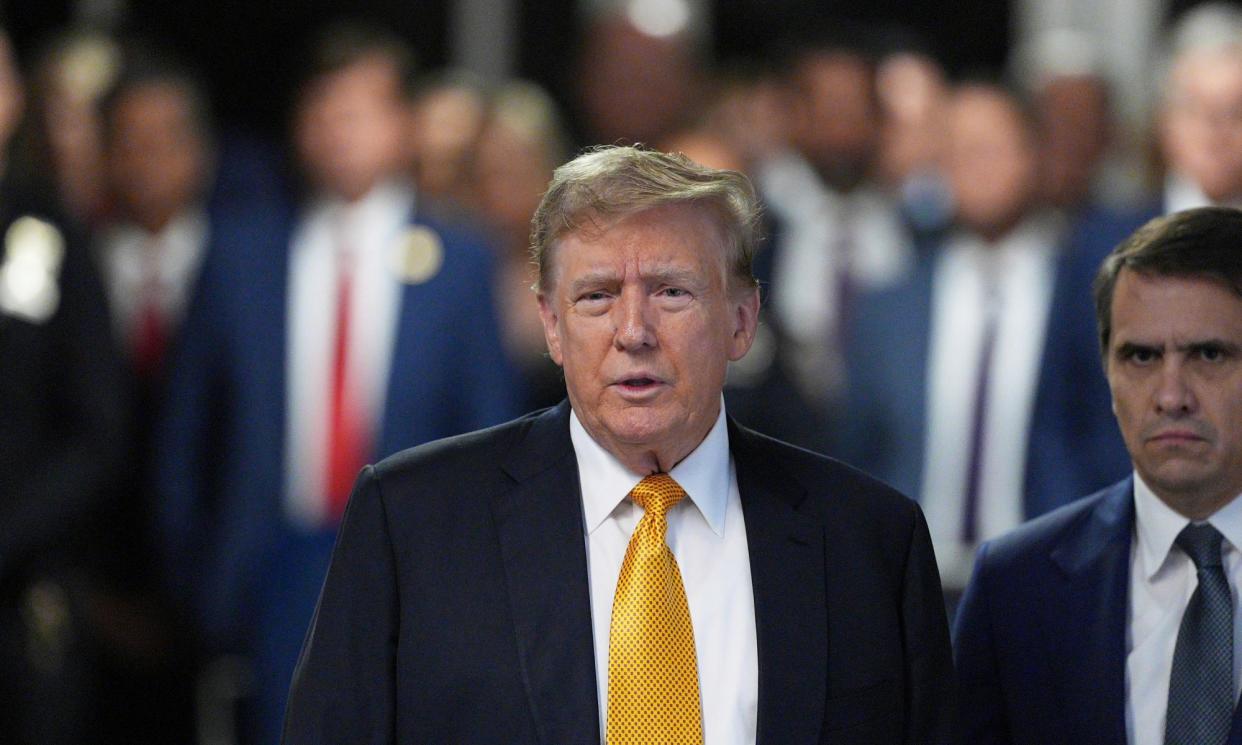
610 182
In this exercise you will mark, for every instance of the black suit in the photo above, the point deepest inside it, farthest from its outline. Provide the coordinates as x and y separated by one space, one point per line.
457 607
62 442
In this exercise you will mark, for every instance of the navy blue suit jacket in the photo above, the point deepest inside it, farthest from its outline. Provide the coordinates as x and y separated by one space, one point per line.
1040 636
249 575
457 608
1073 446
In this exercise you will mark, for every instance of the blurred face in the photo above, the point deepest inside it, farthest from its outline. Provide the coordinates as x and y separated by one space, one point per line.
642 319
1074 130
635 87
1175 370
838 118
1201 127
348 128
443 130
12 97
912 95
512 172
157 159
990 161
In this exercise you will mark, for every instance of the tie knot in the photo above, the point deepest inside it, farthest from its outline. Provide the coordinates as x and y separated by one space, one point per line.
657 493
1202 544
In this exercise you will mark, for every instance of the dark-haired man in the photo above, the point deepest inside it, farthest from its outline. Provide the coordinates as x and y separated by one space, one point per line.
1114 619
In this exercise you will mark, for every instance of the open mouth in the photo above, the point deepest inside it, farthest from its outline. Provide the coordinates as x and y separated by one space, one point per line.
639 383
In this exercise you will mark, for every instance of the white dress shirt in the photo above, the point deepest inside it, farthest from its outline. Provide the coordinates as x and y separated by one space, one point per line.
1180 193
133 258
825 232
707 535
1020 269
1162 579
370 229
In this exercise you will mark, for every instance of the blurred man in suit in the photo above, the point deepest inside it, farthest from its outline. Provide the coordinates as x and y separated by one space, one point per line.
967 412
317 342
1199 125
1114 619
62 443
159 160
631 564
836 236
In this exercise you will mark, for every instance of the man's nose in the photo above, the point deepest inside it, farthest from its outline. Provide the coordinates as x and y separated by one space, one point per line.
1174 395
632 320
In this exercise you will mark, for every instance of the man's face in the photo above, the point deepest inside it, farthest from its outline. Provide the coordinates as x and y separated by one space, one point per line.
1175 370
838 116
1201 127
643 321
991 161
157 159
348 128
1074 124
12 95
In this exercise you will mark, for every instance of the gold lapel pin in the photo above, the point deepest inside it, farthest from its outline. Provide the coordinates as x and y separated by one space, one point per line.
418 256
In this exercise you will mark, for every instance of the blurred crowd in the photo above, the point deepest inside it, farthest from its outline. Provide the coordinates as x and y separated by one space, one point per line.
204 336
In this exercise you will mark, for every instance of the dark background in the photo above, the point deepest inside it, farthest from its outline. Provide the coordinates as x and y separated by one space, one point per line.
248 51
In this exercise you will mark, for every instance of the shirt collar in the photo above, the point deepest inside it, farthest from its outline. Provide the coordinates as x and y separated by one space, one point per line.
606 482
386 198
1182 193
1157 526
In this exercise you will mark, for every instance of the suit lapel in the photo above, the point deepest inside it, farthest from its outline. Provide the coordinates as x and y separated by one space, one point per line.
540 528
1086 620
787 575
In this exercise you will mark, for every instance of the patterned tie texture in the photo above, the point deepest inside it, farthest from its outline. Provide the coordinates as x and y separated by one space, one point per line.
653 678
1201 684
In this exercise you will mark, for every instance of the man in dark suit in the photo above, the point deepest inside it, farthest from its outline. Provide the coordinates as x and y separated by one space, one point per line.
967 412
1110 620
316 342
62 441
471 594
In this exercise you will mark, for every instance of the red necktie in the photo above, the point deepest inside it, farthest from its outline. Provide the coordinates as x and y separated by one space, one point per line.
348 448
150 332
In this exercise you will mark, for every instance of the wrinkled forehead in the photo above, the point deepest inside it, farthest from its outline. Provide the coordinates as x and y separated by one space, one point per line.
666 232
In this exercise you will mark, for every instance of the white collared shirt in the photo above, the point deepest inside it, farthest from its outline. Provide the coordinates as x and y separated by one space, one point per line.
132 258
370 229
1021 266
707 535
823 231
1162 579
1181 193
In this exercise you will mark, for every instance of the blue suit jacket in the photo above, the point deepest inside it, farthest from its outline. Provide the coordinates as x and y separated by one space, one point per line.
457 609
1040 636
1073 446
251 577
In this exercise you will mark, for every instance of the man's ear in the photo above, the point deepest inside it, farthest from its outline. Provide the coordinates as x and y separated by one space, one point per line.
745 322
551 333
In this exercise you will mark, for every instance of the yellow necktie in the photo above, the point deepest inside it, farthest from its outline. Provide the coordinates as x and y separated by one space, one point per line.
653 677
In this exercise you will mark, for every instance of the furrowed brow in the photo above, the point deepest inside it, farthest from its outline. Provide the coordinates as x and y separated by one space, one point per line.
591 280
1128 348
1221 345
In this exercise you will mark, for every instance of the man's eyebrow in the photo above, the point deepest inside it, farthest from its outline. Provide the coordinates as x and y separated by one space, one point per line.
1213 343
670 273
593 279
1130 347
